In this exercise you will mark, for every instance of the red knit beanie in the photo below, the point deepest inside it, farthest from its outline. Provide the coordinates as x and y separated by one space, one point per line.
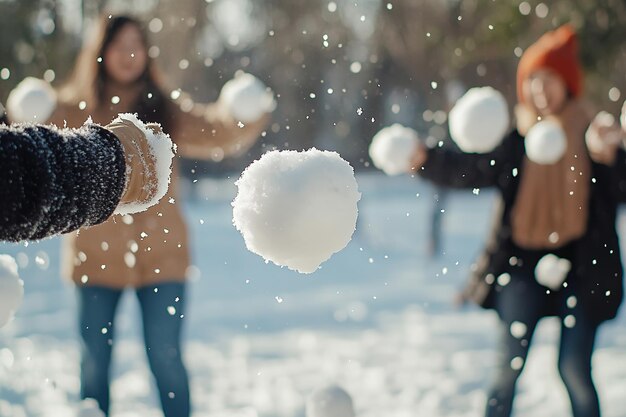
558 51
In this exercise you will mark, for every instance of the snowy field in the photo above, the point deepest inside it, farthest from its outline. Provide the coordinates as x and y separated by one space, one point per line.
378 319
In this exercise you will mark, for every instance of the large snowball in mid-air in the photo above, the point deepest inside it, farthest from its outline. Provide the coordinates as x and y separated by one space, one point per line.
332 401
296 209
551 271
479 120
392 148
247 98
11 289
545 143
32 100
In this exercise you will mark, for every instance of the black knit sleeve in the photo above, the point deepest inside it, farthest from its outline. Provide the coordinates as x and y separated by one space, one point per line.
451 168
55 181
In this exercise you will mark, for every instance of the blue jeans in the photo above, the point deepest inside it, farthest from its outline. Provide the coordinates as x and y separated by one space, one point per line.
523 300
162 329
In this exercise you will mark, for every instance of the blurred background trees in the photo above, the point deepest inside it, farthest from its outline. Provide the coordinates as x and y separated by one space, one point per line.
342 69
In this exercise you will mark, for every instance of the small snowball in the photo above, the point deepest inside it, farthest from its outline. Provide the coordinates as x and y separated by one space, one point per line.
504 279
479 120
392 148
89 408
545 143
332 401
551 271
297 209
517 363
11 289
162 152
32 100
518 329
247 98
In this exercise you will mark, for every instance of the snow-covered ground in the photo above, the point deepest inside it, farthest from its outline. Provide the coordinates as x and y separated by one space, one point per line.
378 319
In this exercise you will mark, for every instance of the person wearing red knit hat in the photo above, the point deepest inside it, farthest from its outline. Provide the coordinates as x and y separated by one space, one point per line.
565 209
556 51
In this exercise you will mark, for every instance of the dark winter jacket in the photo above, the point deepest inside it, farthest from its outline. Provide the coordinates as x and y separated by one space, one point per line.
55 181
596 275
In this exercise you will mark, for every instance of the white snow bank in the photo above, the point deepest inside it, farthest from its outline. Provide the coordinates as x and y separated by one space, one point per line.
11 289
551 271
297 209
545 143
247 98
332 401
32 100
479 120
163 154
392 148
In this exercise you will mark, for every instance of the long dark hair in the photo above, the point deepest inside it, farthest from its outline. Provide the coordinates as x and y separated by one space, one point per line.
89 77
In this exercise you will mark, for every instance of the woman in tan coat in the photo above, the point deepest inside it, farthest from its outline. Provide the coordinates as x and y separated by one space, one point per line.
148 251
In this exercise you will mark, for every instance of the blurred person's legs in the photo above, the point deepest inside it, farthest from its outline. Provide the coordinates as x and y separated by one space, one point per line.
162 307
577 343
96 313
521 302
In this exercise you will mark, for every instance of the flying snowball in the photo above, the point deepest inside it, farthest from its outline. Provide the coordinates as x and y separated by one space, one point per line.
518 329
545 143
89 408
11 289
297 209
551 271
479 120
32 100
597 143
392 148
247 98
332 401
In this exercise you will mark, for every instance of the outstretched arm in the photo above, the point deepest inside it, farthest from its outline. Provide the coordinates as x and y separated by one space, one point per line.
455 169
209 132
55 181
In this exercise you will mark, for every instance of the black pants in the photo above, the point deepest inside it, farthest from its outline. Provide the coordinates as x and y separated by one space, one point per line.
523 300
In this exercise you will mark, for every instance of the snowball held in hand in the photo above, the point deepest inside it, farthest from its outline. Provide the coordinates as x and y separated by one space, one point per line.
332 401
158 164
392 148
479 120
545 143
247 98
551 271
32 100
11 289
297 209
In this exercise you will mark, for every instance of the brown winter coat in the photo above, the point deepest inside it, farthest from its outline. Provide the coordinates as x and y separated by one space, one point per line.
152 246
